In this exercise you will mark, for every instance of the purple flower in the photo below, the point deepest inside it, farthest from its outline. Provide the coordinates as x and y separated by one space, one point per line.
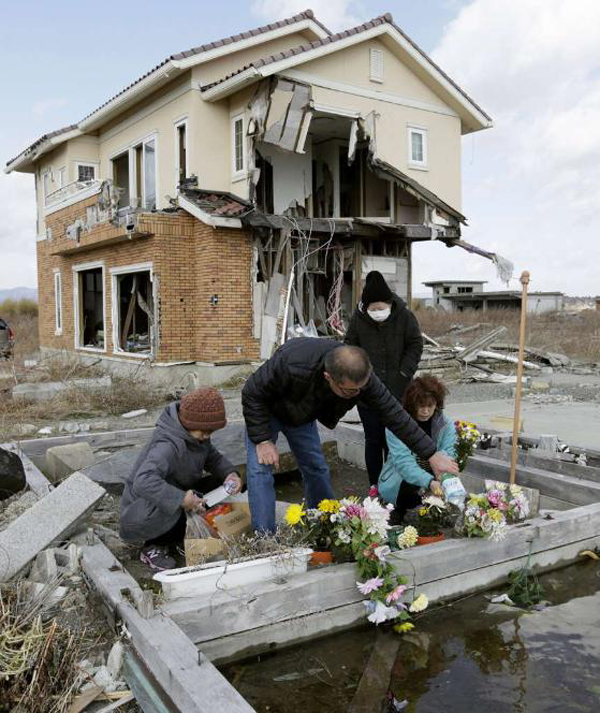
371 585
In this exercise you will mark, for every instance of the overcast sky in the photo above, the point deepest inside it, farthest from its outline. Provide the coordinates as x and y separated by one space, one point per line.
531 185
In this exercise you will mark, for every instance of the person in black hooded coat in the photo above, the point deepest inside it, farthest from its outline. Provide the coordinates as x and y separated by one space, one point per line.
388 331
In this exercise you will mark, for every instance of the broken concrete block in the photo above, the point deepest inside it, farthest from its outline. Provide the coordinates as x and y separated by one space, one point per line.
24 429
46 431
49 520
68 427
114 662
134 414
12 474
68 559
112 472
35 590
40 391
44 569
61 461
540 386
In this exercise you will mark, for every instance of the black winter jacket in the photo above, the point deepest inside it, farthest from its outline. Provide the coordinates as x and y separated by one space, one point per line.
394 346
292 387
172 462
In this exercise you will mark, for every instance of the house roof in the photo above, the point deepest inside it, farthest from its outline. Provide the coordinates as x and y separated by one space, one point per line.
303 53
454 282
175 60
217 203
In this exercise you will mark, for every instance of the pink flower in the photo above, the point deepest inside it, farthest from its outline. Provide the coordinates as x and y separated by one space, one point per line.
355 511
373 491
370 585
495 497
395 593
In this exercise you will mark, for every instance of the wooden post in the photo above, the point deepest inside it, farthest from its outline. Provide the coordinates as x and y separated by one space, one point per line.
515 437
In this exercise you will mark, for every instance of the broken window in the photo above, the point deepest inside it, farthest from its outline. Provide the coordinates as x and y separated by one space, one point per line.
264 187
120 166
417 146
465 290
90 284
86 172
181 138
238 144
57 304
135 312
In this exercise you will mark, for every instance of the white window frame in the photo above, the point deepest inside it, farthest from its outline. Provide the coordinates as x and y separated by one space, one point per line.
90 164
62 177
82 267
422 131
376 65
129 149
238 174
46 188
176 126
58 312
114 274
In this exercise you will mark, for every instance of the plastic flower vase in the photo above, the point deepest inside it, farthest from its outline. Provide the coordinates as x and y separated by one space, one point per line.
429 539
321 557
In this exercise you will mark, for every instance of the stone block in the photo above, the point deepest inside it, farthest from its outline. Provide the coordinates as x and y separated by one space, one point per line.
49 520
61 461
112 471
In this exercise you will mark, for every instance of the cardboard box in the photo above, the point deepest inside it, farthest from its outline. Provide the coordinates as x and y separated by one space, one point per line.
236 522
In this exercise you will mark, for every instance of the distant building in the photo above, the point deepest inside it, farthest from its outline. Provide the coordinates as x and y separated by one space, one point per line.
458 295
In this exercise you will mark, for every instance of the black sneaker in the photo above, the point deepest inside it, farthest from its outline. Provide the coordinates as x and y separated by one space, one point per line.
157 558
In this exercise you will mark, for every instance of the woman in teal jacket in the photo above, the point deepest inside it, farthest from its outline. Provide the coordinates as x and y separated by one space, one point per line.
404 473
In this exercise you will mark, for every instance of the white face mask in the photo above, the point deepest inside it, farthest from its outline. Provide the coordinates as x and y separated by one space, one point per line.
379 315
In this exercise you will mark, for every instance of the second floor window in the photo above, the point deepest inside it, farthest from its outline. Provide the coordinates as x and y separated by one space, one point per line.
417 147
86 172
238 144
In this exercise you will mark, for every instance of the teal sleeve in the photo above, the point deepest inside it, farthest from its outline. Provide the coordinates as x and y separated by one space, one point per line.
405 463
447 440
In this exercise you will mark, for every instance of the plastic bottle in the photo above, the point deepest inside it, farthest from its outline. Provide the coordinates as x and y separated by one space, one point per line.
454 490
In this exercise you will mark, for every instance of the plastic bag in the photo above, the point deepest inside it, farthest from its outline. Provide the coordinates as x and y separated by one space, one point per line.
197 528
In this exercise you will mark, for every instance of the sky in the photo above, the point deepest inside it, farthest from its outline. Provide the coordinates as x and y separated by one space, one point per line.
531 184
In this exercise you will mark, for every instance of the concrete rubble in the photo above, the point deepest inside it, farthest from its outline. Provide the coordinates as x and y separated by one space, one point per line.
42 390
61 461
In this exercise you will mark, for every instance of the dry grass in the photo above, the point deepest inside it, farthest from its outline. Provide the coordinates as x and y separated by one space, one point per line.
577 336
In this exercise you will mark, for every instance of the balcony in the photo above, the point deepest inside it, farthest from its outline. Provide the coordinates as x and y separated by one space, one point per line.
71 193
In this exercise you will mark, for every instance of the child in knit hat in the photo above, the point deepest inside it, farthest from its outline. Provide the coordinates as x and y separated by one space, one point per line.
169 472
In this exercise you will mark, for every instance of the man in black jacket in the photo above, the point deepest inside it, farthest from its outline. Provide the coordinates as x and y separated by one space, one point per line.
389 332
305 381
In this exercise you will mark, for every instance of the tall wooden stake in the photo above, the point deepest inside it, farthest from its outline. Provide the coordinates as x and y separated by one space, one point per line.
515 437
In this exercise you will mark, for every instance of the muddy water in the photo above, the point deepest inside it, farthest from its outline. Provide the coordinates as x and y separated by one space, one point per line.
470 656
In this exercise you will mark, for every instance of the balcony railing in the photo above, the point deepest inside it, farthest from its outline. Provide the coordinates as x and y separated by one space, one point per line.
71 193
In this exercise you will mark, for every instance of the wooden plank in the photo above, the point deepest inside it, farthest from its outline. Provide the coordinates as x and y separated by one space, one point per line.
192 682
36 480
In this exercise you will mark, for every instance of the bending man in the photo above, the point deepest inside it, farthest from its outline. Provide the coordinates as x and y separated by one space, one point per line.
305 381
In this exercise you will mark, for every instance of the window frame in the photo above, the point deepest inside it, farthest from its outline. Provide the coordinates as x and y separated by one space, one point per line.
87 164
237 174
183 122
83 267
58 312
375 52
46 188
136 200
422 165
115 273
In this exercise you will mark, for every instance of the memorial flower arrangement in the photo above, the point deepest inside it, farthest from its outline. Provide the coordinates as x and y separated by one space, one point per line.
467 436
316 522
363 526
433 516
488 514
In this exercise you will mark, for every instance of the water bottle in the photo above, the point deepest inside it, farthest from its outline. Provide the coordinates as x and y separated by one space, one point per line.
454 490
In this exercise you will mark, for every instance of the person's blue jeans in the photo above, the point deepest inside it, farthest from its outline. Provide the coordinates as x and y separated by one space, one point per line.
305 444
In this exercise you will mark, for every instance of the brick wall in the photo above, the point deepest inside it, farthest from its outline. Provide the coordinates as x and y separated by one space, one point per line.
191 261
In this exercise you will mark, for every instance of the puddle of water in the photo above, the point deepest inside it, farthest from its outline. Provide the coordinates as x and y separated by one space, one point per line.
469 656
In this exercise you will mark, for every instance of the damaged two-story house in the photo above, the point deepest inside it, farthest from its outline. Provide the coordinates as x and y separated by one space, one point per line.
240 191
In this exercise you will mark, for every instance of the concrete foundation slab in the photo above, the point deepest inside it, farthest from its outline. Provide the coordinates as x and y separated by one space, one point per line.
49 520
40 391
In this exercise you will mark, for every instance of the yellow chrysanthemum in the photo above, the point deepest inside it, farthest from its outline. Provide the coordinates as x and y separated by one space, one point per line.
404 627
419 604
294 514
330 506
495 515
423 512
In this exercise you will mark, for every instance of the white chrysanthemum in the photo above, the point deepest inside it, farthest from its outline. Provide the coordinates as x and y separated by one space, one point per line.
408 538
419 604
382 613
435 501
377 517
